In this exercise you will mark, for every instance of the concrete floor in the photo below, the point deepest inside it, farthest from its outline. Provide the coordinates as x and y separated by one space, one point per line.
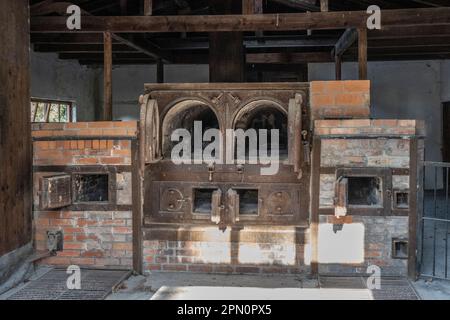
432 289
144 288
259 287
160 286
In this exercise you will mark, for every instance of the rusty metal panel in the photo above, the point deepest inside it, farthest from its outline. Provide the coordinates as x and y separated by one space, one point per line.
341 199
282 199
295 132
216 204
233 205
55 191
149 129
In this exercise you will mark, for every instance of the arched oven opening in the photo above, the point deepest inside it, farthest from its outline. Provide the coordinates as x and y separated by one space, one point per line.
268 115
183 116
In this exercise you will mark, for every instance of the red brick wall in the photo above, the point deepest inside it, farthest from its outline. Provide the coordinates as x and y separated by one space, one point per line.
340 99
267 250
91 237
90 143
368 127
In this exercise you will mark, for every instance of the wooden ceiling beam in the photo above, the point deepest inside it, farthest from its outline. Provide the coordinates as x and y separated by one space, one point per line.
437 40
287 58
99 56
264 22
80 48
395 32
309 5
347 39
444 48
60 7
72 38
143 46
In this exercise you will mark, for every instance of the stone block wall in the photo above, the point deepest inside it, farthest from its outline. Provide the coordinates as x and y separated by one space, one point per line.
94 234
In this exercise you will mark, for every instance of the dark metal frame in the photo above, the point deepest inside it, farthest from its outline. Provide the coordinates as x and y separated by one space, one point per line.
425 216
386 180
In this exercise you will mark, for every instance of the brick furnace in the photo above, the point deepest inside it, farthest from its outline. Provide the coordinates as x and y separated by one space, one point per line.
344 197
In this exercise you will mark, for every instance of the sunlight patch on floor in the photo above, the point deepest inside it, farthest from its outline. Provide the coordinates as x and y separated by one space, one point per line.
240 293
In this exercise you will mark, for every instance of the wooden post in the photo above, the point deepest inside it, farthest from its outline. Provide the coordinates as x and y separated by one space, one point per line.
252 7
226 57
160 71
413 207
362 53
338 65
107 77
123 7
137 173
315 204
226 49
148 7
15 131
324 5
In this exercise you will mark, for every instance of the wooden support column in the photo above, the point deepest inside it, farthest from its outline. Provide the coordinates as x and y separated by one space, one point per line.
324 5
315 204
160 71
107 77
338 65
362 53
123 7
226 49
148 7
252 7
15 131
413 207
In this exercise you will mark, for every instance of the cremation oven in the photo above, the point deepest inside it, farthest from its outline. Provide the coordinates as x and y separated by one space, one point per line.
227 194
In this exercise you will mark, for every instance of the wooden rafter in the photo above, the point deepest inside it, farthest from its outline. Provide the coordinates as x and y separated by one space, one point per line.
48 7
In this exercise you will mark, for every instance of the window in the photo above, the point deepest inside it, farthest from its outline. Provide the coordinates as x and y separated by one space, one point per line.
50 111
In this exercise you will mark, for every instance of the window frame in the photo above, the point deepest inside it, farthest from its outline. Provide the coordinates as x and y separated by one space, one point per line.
48 103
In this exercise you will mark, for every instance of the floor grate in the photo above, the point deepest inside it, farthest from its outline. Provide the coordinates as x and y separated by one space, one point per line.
392 288
95 285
